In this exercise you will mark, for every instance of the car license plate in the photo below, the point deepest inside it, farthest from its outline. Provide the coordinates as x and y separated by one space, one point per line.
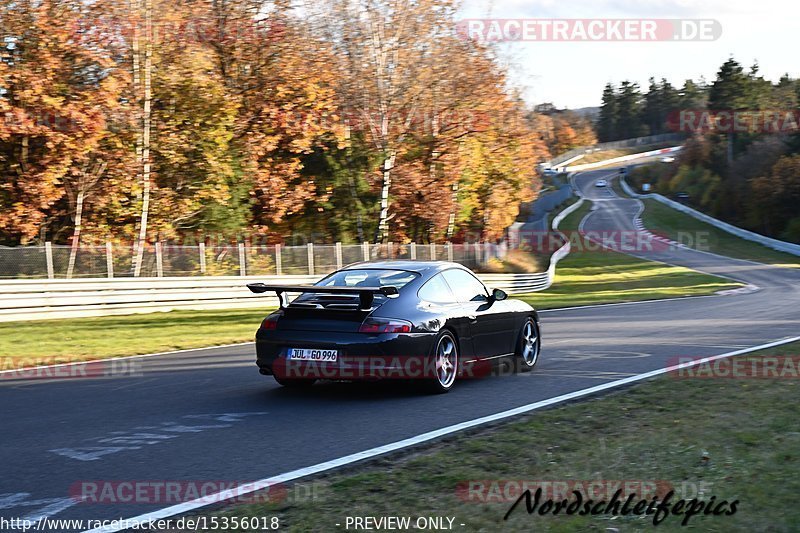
308 354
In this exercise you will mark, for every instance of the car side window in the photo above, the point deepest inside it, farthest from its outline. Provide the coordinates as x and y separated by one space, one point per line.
436 291
467 288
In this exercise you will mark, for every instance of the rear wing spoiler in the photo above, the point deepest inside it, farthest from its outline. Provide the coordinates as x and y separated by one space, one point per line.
366 295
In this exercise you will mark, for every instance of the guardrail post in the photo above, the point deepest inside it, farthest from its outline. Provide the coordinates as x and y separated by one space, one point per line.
278 262
413 250
390 250
450 251
311 259
109 260
338 251
201 248
159 261
48 254
365 250
432 247
477 253
242 260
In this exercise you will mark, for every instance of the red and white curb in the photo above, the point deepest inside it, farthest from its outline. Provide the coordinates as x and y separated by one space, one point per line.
747 289
639 225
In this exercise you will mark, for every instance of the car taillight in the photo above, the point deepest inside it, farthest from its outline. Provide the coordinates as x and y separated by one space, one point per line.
271 322
385 325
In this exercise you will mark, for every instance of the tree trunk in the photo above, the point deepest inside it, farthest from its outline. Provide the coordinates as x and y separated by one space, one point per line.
24 155
146 120
432 177
383 220
730 149
136 11
76 233
451 221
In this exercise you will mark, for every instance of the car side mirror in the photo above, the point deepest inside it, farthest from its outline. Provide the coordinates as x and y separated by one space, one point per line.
499 295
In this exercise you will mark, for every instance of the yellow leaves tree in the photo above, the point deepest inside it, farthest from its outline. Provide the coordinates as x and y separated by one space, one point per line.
59 83
281 79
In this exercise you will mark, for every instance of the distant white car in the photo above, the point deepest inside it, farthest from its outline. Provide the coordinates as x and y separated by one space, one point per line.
600 183
667 159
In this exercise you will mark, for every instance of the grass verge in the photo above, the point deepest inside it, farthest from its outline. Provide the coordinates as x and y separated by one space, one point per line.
734 439
593 277
516 262
702 236
84 339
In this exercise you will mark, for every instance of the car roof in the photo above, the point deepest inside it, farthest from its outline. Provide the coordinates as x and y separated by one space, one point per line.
420 267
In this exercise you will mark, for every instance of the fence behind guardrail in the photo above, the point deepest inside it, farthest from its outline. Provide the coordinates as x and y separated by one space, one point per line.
166 260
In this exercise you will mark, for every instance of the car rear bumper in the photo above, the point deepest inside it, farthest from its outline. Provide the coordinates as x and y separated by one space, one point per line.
360 356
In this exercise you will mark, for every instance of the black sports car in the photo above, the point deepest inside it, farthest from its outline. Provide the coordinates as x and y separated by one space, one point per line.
428 321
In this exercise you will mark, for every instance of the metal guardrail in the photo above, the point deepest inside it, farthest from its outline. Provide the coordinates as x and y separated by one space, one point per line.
612 145
63 298
39 300
624 158
775 244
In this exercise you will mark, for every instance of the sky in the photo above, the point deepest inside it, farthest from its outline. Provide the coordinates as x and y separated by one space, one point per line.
573 74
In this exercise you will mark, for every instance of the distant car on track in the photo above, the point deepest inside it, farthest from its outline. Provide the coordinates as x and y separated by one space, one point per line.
667 159
428 321
601 183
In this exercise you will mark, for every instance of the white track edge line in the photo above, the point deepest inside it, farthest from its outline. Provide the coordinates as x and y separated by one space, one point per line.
412 441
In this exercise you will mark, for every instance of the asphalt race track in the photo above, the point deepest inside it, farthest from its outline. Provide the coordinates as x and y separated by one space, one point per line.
209 415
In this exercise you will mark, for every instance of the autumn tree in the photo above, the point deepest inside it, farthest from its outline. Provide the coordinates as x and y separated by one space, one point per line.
381 47
279 77
565 137
776 198
59 85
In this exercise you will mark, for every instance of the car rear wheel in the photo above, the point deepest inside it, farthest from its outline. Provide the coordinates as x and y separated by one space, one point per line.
294 383
528 346
445 360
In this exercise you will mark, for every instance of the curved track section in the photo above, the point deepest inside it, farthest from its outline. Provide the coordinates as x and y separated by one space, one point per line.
208 414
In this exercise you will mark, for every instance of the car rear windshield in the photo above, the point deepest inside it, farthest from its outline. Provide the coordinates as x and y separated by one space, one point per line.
369 278
355 278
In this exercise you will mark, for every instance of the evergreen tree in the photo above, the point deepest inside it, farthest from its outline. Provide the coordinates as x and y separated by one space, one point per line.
607 121
629 103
